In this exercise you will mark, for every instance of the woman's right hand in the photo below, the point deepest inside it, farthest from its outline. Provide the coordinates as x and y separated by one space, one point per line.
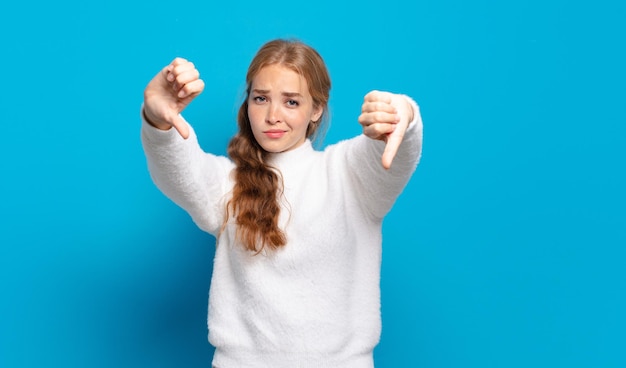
169 93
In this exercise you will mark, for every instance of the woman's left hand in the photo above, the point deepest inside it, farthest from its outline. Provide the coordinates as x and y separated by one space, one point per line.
386 116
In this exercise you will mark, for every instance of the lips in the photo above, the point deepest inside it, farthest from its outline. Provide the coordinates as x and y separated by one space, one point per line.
274 133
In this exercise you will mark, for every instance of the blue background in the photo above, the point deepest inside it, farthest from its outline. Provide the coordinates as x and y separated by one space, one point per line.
505 250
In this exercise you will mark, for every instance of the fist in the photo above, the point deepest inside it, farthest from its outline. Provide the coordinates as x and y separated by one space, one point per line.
169 93
386 116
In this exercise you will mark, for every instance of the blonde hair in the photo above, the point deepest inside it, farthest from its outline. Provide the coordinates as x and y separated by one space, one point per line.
256 193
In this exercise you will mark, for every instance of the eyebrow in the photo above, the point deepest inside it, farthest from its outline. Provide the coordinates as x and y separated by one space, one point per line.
266 91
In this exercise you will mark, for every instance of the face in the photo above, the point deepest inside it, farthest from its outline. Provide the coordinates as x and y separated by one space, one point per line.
280 108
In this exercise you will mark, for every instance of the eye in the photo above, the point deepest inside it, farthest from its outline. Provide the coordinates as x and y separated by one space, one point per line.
292 103
259 99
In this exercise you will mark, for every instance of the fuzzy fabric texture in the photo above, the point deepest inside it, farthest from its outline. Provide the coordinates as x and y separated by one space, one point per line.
316 301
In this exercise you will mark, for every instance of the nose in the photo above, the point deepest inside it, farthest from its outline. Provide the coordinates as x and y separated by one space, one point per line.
273 114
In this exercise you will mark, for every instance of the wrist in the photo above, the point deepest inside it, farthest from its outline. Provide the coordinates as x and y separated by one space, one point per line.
154 122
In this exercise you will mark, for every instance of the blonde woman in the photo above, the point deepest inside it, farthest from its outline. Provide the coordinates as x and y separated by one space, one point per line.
296 275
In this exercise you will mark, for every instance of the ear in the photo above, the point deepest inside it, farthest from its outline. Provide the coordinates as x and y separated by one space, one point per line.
317 113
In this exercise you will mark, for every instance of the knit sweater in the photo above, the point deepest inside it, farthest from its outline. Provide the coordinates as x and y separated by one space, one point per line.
316 301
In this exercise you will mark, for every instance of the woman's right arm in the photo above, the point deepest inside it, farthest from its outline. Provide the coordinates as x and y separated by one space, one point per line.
191 178
169 93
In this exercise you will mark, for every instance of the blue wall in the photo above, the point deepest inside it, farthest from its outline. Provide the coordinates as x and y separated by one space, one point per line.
506 250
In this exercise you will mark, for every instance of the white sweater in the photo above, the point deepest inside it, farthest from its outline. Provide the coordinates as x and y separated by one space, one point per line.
316 301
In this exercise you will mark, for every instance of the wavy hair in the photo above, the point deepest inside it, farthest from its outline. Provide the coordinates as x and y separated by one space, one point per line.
258 186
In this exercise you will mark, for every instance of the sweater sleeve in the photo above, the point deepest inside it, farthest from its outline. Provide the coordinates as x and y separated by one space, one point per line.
377 188
193 179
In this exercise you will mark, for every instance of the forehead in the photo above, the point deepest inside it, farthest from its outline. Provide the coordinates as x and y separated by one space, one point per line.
279 78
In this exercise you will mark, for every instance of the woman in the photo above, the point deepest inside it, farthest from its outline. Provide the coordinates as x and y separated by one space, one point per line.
297 266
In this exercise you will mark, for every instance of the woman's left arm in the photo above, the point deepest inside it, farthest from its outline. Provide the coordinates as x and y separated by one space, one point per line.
386 116
382 160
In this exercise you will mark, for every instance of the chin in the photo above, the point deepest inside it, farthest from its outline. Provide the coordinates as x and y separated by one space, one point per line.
279 145
272 148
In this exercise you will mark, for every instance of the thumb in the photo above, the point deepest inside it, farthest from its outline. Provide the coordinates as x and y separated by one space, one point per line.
393 143
181 126
389 153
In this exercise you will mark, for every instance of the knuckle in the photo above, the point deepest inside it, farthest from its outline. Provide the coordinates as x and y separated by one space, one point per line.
380 116
371 95
377 129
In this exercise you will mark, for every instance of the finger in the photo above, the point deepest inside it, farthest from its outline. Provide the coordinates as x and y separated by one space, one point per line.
378 96
167 73
393 143
184 78
378 131
191 89
176 67
178 61
181 126
378 106
390 152
183 68
377 117
187 76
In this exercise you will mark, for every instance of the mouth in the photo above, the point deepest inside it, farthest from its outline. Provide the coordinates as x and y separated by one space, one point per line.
274 133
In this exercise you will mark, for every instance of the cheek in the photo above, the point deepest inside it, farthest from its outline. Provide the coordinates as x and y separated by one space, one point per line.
255 116
297 117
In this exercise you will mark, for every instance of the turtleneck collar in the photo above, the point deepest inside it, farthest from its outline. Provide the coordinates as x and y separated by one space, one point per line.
293 157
